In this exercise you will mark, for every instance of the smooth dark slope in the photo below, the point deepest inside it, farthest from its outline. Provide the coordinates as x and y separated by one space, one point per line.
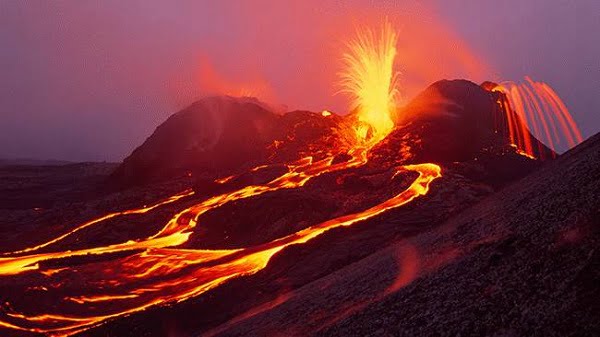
524 261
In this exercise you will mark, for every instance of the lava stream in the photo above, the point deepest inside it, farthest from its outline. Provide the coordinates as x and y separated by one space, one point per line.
158 274
90 223
178 229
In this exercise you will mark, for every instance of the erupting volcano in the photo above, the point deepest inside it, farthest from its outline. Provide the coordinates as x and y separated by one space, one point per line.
275 206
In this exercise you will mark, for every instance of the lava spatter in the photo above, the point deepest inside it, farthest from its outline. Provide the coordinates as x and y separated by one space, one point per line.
533 110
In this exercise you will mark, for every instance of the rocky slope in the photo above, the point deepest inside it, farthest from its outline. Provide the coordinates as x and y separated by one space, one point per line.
522 262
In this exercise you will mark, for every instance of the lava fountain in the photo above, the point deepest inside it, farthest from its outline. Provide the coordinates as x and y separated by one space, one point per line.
370 80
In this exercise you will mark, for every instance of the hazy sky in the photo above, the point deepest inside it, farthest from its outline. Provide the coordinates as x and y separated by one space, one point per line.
90 80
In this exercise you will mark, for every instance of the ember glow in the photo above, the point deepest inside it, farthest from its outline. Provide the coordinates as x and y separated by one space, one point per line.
371 81
535 109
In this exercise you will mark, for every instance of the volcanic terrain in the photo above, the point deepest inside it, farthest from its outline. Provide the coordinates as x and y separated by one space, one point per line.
231 219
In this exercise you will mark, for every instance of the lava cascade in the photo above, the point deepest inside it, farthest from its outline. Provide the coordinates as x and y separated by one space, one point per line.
534 109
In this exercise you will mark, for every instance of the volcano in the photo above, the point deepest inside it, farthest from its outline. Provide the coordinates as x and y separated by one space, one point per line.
232 219
230 135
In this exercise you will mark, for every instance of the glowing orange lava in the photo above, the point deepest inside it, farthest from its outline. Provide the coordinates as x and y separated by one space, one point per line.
160 274
142 210
534 109
371 81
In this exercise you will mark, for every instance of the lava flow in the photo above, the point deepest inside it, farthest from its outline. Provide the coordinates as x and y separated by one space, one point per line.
153 271
534 109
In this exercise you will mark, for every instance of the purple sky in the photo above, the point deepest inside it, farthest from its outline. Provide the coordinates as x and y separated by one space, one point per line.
90 80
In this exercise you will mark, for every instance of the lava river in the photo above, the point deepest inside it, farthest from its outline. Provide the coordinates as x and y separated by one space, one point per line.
154 272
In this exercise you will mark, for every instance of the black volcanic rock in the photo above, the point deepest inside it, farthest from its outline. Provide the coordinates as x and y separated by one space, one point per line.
502 264
452 123
217 133
468 177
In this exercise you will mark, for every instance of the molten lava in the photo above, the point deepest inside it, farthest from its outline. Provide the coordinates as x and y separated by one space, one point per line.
160 274
371 81
533 109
